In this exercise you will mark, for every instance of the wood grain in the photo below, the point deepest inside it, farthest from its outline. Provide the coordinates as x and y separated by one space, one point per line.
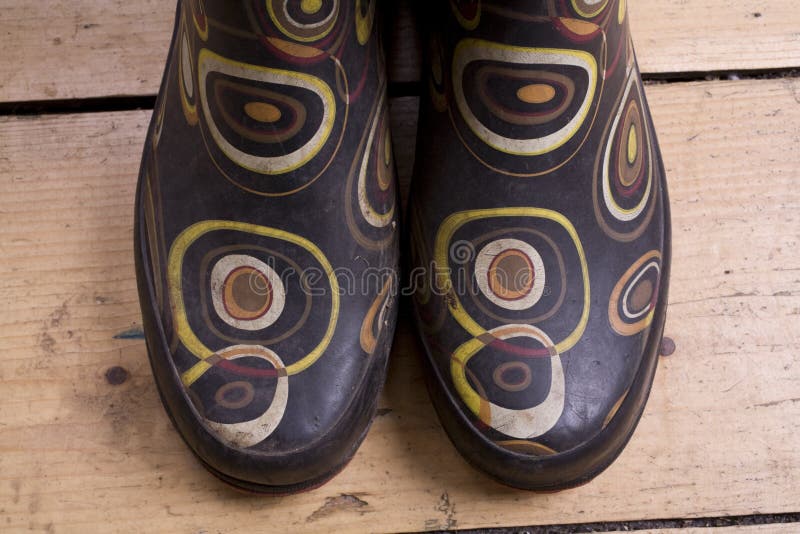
718 438
67 49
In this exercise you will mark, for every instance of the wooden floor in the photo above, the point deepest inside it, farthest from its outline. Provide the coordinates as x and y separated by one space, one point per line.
86 446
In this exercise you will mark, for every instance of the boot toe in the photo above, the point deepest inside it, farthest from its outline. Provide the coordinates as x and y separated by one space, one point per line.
259 429
555 447
272 416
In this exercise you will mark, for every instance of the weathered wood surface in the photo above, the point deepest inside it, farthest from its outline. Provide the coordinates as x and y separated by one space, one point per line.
66 49
718 437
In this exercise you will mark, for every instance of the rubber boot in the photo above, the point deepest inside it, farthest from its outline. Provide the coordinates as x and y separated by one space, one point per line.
266 236
540 236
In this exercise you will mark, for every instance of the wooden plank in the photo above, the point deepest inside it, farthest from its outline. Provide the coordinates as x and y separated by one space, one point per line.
66 49
718 437
714 35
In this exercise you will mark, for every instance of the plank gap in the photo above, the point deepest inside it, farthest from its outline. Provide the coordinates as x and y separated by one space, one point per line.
650 524
396 89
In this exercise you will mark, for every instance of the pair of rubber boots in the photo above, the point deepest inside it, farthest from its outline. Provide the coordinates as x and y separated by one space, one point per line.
268 236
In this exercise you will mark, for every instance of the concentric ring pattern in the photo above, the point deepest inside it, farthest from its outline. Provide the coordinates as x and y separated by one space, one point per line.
269 167
537 221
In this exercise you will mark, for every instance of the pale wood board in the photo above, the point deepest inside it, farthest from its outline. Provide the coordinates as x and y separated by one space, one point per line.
66 49
718 437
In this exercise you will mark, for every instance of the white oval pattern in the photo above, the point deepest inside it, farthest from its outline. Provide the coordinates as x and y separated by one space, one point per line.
228 265
483 268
